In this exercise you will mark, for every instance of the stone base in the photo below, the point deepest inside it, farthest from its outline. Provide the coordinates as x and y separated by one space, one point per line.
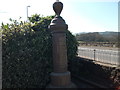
61 80
72 85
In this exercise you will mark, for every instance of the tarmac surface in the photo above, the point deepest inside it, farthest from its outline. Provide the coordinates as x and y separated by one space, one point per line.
81 84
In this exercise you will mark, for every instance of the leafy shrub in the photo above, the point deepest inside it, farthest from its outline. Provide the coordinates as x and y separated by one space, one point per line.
27 53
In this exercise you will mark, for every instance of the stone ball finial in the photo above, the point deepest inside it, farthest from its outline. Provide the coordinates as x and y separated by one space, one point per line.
57 7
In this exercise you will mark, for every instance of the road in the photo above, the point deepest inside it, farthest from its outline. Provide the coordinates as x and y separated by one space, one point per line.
100 54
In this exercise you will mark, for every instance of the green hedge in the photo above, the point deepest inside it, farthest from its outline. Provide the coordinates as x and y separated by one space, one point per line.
27 53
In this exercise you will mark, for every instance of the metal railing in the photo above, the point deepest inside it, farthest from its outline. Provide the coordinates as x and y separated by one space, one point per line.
104 56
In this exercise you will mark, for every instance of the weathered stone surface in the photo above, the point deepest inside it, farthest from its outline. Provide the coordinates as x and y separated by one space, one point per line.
60 79
71 85
59 52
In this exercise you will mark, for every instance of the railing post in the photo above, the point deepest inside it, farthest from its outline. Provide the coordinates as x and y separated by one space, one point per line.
94 55
60 77
118 66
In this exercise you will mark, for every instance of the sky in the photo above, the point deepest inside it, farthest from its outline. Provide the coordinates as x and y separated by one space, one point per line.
80 15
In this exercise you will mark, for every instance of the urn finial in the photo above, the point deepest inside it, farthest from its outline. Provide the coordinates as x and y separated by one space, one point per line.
57 7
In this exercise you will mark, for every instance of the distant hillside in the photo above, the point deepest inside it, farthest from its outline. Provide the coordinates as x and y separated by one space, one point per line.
102 33
108 33
98 36
112 36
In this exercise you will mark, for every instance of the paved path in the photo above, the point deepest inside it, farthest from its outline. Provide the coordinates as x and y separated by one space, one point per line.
81 84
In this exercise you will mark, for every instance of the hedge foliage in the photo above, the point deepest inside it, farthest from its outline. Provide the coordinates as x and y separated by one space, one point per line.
27 52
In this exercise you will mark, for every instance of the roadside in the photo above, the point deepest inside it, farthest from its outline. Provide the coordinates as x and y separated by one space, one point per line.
99 74
81 84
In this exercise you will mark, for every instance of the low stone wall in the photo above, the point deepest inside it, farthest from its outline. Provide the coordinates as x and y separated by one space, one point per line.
107 76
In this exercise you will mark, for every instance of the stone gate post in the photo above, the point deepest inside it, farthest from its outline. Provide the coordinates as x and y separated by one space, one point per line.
60 77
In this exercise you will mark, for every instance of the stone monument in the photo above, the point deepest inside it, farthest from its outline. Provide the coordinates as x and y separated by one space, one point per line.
60 77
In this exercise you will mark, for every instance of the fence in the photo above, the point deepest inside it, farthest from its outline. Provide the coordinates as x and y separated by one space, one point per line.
101 44
104 56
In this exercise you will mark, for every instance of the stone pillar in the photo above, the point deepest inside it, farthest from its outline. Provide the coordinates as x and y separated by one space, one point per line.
60 77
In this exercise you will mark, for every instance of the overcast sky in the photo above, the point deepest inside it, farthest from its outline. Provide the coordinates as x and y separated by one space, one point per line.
80 15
